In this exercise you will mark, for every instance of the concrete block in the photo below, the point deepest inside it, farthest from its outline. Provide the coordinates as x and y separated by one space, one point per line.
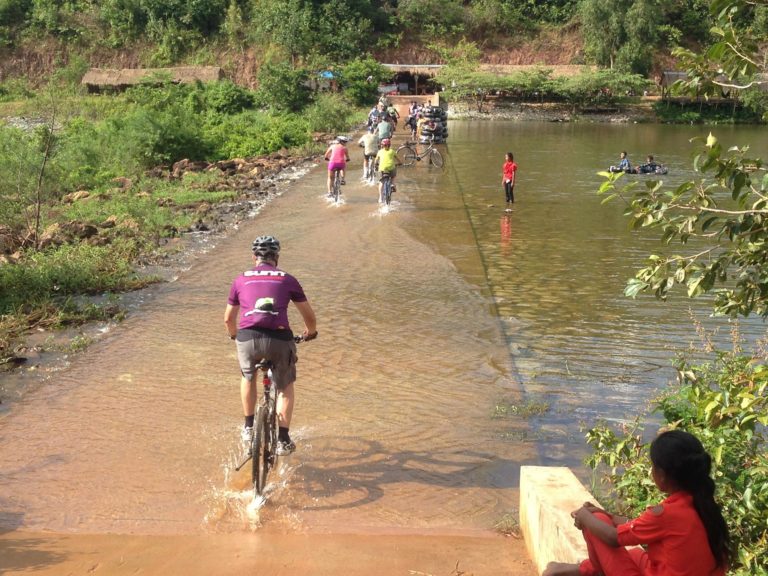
548 495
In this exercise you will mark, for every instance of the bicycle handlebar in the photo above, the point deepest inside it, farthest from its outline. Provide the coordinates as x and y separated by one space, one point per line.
301 338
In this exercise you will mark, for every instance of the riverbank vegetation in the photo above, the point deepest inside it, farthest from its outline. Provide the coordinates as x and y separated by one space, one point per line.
92 185
724 401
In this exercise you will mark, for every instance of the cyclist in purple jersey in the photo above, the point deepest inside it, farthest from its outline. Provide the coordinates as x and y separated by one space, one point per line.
260 297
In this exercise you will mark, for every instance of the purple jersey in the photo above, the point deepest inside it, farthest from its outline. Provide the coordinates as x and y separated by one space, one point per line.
263 295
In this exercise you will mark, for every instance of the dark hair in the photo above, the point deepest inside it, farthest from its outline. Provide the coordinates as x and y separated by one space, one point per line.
510 156
685 462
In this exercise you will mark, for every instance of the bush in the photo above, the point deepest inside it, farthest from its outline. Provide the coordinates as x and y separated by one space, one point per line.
283 87
256 133
328 113
725 404
227 98
360 80
64 271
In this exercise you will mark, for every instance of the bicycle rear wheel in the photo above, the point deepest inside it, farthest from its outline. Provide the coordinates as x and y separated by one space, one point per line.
336 185
406 155
260 451
436 158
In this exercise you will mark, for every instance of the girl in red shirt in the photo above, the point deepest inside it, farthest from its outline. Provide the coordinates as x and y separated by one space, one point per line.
685 535
508 178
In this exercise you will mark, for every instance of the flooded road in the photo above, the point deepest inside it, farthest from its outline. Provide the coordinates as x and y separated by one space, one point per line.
456 343
394 401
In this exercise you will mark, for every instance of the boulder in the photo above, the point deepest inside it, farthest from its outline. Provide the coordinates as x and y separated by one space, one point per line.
75 196
110 222
122 182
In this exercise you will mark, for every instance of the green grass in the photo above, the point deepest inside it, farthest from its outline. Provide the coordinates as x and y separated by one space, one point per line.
528 409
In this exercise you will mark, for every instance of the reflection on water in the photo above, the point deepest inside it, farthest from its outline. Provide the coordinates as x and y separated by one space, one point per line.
445 325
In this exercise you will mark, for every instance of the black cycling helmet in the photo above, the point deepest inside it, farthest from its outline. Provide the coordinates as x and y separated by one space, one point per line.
265 246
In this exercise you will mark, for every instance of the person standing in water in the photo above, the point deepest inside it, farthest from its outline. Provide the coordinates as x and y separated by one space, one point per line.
508 179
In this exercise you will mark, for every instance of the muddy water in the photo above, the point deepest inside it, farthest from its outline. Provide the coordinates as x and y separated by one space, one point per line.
395 399
456 343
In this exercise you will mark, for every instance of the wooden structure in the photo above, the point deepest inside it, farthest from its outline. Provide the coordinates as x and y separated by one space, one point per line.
97 79
668 78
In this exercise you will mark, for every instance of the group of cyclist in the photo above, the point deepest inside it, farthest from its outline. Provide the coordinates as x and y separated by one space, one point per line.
377 152
256 315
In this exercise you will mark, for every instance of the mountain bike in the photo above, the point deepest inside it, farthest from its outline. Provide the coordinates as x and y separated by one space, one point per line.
369 172
386 187
263 452
408 154
336 185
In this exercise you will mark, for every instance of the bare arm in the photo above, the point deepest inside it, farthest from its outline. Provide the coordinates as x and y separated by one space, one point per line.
230 319
310 321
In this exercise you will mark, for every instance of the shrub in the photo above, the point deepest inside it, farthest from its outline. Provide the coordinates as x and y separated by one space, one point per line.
725 404
360 80
64 271
283 87
227 98
328 113
255 133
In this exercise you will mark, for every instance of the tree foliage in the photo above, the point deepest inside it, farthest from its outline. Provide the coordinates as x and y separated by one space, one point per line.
736 60
621 34
720 220
722 215
360 80
724 403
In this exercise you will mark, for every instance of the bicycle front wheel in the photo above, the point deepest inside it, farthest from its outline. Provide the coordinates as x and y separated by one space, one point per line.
388 191
260 451
406 155
436 158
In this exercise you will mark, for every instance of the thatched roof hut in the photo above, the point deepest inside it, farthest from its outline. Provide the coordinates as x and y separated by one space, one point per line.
97 78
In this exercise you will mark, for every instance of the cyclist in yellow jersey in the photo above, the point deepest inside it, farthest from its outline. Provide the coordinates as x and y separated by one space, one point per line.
387 161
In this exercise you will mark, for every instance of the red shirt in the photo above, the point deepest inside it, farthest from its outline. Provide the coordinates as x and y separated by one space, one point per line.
676 539
509 170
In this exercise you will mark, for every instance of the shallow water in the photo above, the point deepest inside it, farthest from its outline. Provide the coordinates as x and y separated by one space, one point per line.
442 322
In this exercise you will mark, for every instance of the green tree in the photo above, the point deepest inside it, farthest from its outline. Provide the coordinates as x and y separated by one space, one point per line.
602 23
619 34
720 219
431 18
360 79
642 25
283 87
286 24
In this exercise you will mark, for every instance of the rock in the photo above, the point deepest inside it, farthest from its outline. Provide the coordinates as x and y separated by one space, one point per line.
110 222
75 196
199 226
51 236
122 182
81 230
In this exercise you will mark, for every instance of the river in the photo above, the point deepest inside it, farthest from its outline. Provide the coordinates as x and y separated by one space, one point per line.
457 342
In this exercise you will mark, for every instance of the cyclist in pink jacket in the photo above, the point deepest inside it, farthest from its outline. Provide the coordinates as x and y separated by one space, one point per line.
337 157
